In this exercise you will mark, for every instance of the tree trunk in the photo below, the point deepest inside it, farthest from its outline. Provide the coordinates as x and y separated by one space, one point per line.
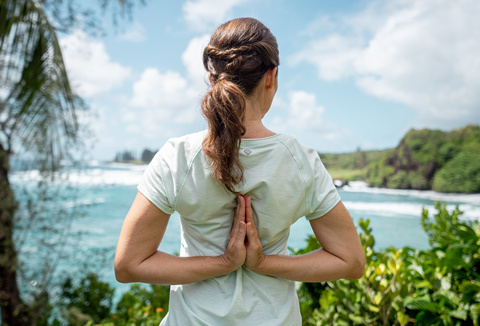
13 309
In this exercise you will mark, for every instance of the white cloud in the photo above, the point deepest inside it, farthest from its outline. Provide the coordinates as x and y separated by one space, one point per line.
160 101
90 68
192 59
206 14
163 91
304 111
301 115
134 33
425 54
333 56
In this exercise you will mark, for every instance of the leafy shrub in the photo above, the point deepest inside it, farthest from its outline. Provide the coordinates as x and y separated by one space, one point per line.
141 305
91 299
90 302
440 286
398 180
462 173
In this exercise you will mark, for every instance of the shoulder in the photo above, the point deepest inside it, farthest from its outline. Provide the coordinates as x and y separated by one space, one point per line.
190 142
186 146
298 149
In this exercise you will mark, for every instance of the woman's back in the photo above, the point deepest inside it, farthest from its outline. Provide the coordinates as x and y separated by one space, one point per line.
285 180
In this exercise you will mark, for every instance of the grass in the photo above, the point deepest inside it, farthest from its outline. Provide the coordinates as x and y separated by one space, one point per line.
347 174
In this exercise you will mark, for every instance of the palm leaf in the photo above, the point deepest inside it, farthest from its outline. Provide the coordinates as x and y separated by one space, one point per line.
40 108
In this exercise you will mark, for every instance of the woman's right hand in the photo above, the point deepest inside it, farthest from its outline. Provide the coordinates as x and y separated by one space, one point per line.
236 253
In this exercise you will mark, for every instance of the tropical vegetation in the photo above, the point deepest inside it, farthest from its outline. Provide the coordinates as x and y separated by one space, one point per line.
401 286
38 119
406 286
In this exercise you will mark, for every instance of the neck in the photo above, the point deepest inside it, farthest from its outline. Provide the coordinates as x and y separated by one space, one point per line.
254 127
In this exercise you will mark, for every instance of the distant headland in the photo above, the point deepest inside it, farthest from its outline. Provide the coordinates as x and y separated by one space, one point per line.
424 160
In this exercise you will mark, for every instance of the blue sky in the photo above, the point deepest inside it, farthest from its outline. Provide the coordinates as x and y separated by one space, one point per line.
352 73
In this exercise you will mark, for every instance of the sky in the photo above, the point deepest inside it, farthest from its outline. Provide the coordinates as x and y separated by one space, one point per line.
352 74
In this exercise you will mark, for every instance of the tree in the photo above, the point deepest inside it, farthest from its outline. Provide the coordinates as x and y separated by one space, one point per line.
37 115
147 155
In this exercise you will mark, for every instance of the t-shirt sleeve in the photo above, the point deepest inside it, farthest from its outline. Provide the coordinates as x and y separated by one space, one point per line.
323 196
157 181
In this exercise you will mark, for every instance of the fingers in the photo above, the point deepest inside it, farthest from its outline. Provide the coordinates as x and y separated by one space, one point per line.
250 222
239 214
240 210
239 227
248 210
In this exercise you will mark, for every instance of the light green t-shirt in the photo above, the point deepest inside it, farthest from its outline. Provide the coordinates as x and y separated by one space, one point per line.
285 179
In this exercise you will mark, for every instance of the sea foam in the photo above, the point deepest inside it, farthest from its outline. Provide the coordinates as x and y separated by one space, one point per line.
360 186
90 175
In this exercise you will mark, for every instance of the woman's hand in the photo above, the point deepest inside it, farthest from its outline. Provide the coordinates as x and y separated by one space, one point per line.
255 256
236 252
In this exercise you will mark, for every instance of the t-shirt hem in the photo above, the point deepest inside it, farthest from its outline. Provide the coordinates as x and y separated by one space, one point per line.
321 213
158 204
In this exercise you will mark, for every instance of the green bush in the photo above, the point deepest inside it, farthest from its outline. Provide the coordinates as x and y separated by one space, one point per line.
141 305
91 299
399 180
462 173
440 286
90 303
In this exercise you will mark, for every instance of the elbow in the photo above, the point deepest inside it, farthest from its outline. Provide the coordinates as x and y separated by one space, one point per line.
358 267
123 272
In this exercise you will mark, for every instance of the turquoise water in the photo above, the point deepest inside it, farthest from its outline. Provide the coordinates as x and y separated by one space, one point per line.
104 194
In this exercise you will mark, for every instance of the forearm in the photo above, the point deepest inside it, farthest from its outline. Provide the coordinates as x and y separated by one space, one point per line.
163 268
316 266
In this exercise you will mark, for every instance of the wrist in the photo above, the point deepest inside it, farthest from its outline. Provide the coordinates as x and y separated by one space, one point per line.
260 266
226 265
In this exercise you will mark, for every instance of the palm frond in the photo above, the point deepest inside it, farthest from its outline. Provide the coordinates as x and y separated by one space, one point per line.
40 105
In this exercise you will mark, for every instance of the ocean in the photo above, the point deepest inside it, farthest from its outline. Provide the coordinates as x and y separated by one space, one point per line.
104 192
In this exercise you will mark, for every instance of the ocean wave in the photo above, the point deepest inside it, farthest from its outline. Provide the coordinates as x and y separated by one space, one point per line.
361 186
84 202
396 209
108 174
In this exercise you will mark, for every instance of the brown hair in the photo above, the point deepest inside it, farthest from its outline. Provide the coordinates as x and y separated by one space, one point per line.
238 55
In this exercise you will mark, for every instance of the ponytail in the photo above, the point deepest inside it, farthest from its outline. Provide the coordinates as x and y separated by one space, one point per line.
237 57
224 109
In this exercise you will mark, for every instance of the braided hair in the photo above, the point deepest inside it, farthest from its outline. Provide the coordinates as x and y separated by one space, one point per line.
238 55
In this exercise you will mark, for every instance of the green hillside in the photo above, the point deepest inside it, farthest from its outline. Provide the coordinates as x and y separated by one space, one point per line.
351 166
424 160
431 159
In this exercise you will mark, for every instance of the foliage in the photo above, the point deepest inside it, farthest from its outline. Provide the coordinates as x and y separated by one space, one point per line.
90 303
438 286
461 173
90 300
147 155
38 119
431 159
141 305
404 286
128 156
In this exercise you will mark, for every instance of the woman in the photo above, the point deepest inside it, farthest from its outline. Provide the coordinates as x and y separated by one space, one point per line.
238 188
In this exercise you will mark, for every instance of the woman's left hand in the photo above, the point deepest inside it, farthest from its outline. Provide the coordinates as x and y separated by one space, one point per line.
255 256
